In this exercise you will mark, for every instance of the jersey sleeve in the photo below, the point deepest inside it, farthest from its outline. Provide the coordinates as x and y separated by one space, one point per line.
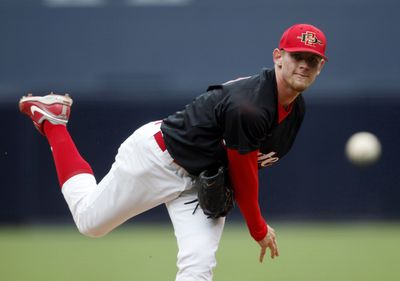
245 128
243 172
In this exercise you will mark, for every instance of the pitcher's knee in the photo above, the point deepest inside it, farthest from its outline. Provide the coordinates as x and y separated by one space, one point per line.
196 265
91 229
91 232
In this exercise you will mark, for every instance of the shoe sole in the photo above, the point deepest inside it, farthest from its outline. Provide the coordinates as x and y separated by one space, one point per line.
48 100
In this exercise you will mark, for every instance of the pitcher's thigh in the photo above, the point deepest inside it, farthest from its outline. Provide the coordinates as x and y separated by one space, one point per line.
137 182
197 236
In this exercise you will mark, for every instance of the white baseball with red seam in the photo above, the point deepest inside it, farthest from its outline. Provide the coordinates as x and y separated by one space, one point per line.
363 149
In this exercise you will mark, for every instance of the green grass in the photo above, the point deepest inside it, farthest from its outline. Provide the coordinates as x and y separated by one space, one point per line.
323 252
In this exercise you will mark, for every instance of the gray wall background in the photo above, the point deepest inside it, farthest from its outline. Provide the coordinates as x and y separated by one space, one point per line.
129 62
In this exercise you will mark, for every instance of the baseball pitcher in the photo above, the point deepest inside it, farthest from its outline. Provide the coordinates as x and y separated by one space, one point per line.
197 161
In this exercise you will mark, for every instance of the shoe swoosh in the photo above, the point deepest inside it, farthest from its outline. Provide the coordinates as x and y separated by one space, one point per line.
34 109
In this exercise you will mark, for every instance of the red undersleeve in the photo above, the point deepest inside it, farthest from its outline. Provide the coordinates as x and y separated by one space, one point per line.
243 171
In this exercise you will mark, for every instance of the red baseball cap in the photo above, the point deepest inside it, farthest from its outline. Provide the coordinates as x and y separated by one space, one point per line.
304 38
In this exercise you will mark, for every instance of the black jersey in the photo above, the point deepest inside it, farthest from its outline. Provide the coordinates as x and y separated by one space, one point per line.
241 114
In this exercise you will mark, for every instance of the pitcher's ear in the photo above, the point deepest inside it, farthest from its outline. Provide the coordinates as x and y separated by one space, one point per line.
277 57
321 65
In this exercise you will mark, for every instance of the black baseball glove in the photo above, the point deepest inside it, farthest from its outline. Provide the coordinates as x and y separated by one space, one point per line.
215 193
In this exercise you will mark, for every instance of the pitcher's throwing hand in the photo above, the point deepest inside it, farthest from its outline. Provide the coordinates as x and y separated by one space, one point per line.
269 241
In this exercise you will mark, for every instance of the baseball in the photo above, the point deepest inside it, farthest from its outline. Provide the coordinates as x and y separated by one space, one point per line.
363 149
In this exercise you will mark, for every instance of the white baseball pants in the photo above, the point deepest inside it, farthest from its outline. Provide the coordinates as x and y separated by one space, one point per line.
142 177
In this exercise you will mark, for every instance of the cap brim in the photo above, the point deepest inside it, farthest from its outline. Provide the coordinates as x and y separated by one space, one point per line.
306 50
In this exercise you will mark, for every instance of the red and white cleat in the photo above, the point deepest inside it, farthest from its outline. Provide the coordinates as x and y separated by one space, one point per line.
53 108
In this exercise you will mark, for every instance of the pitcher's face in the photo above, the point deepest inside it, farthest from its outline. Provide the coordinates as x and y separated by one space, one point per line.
298 70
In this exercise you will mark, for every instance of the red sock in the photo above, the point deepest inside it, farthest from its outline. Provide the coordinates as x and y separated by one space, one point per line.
66 156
